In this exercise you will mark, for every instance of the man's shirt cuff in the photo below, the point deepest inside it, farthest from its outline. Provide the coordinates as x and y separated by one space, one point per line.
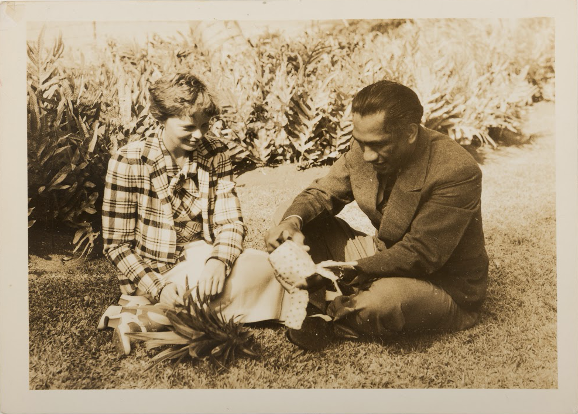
295 215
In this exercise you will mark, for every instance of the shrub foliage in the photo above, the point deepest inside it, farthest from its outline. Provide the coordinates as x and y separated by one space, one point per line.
283 100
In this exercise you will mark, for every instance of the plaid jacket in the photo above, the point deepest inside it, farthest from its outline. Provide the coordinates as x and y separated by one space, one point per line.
137 215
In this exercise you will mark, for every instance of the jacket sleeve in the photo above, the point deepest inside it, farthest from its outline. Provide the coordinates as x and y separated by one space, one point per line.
119 215
435 231
330 193
229 229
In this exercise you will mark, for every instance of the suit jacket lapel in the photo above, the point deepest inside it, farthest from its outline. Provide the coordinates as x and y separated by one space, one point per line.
364 183
406 193
153 157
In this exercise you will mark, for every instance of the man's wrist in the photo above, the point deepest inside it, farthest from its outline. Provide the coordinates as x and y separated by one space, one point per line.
294 219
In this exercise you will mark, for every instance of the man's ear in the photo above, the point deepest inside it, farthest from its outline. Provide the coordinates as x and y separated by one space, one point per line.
412 131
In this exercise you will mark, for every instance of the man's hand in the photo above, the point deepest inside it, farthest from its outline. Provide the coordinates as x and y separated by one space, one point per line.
212 280
170 295
346 272
288 229
313 282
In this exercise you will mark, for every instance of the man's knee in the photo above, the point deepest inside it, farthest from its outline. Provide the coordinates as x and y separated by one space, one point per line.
412 305
376 311
383 303
400 304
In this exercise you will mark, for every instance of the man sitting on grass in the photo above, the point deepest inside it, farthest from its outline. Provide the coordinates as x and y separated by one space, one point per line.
426 267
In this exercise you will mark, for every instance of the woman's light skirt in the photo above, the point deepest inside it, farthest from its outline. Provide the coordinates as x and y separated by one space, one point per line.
251 292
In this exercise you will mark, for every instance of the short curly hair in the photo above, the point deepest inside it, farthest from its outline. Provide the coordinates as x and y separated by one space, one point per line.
400 104
180 95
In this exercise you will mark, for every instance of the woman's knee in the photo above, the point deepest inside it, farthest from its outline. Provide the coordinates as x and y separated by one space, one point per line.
253 267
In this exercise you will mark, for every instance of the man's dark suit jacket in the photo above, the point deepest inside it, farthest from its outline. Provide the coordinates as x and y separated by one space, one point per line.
431 226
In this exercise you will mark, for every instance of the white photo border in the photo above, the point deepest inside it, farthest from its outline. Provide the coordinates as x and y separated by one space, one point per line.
14 381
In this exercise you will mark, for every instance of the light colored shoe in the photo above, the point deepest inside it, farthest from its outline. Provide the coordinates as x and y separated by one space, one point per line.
125 301
120 339
111 311
130 300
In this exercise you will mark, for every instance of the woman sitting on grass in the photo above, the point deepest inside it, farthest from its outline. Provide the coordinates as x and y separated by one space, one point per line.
171 214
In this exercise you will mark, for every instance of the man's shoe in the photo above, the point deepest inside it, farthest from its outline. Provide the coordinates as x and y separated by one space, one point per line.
315 334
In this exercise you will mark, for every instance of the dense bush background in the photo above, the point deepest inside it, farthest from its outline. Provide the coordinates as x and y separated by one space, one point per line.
284 101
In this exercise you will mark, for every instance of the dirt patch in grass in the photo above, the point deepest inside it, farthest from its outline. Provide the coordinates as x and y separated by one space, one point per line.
514 346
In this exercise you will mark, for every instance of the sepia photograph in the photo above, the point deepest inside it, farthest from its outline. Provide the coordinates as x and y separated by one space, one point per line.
267 202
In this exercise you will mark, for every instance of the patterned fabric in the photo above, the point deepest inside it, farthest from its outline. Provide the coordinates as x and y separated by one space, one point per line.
138 223
187 206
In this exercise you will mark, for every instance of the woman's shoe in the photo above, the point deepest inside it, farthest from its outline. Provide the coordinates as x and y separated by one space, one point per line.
120 340
130 300
112 311
126 323
125 301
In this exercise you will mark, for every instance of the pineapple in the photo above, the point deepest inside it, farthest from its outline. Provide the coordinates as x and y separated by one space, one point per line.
200 332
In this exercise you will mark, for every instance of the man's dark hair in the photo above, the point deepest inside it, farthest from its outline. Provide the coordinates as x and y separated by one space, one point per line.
400 104
180 95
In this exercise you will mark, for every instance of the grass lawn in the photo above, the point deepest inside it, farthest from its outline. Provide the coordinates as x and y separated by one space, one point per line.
514 346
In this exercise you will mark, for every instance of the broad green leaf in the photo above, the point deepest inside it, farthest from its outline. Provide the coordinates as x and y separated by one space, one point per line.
79 244
90 210
77 235
46 82
60 176
59 150
59 187
94 139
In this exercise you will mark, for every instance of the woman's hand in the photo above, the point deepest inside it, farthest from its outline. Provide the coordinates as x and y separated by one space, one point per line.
170 295
288 229
212 278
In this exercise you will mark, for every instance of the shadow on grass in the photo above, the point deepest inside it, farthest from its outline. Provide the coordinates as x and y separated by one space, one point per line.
56 244
398 344
505 148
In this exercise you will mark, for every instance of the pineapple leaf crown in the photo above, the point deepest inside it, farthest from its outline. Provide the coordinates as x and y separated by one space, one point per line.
201 332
